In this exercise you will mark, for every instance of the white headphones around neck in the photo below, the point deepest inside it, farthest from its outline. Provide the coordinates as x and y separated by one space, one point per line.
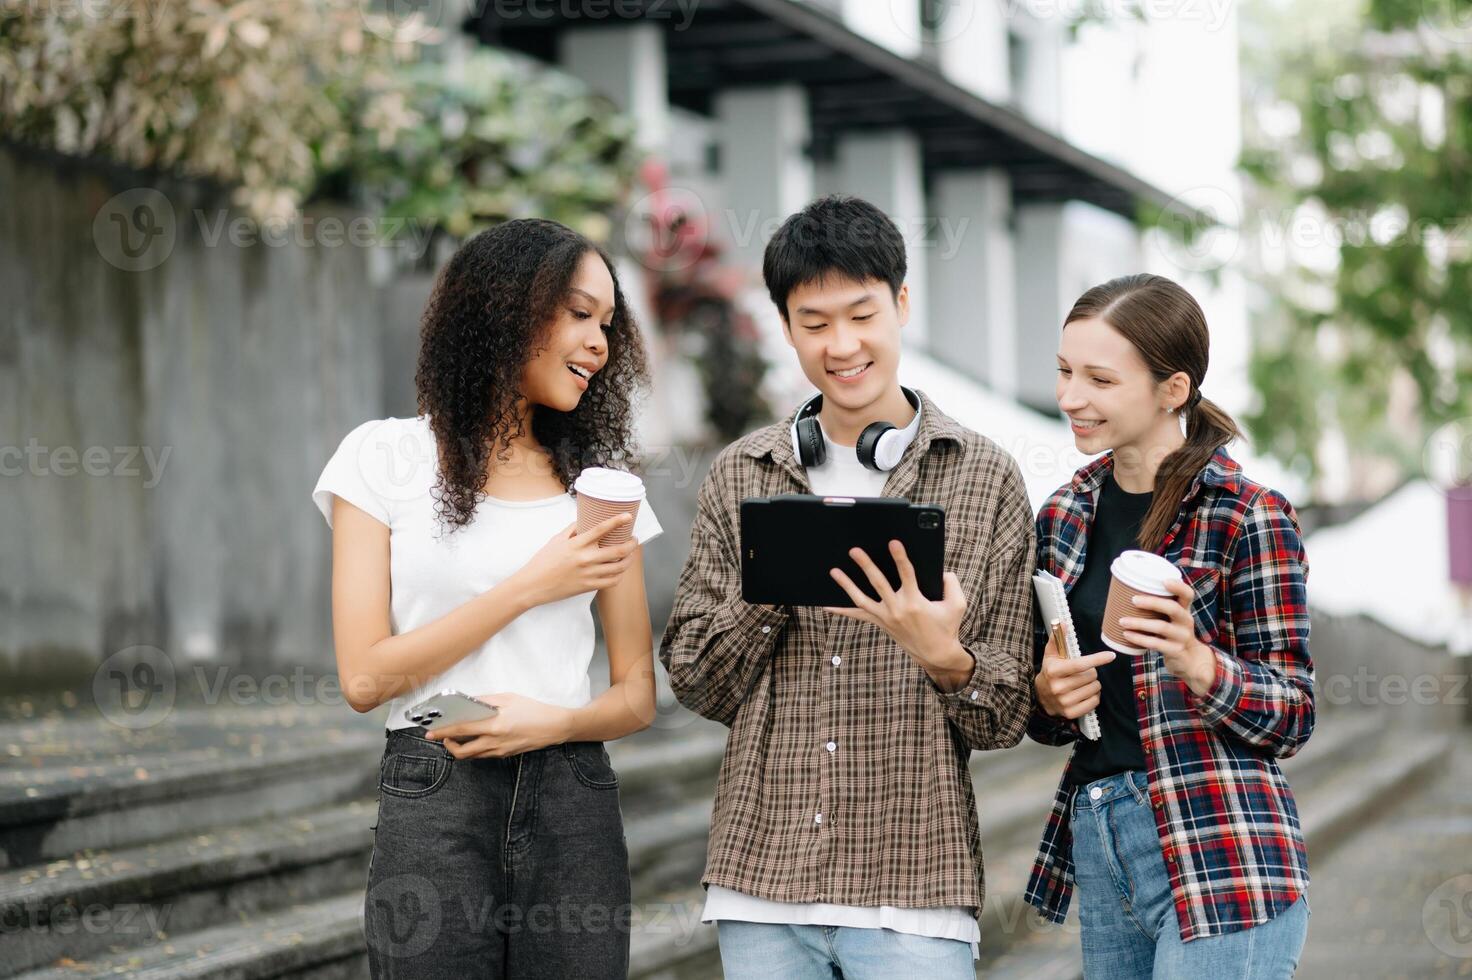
880 445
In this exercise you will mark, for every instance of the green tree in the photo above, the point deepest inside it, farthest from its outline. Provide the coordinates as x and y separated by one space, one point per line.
1359 133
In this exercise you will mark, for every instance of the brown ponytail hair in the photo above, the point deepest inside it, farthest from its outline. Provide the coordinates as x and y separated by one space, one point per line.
1166 325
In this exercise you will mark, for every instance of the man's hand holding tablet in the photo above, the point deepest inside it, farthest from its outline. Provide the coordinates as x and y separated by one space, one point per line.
926 629
801 549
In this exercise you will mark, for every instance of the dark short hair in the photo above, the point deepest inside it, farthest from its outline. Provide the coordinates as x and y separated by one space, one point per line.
835 235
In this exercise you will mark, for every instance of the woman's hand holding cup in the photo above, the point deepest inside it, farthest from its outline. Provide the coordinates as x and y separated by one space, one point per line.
1069 688
572 563
1165 624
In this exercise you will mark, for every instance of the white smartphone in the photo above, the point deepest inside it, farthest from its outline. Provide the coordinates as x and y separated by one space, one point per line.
448 707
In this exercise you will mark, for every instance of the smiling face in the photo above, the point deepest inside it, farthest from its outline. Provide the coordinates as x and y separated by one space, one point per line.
575 344
847 338
1109 393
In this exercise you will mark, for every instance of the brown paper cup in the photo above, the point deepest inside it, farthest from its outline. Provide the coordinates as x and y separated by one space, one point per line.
1133 573
1121 603
592 511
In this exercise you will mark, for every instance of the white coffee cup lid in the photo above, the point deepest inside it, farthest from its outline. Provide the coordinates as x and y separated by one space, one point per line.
1144 570
609 484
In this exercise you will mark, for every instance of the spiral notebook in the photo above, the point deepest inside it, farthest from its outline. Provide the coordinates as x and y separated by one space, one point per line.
1053 601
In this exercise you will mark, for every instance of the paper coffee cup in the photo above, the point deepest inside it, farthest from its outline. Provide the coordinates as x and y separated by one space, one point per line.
1134 573
602 493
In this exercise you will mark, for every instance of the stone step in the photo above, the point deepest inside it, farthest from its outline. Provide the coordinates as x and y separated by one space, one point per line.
319 940
1014 789
48 814
191 884
81 907
669 936
1347 772
204 877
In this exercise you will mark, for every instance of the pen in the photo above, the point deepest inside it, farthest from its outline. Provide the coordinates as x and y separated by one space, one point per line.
1060 642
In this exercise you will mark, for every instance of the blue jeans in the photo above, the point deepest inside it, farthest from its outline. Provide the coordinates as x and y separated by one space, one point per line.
1125 906
765 951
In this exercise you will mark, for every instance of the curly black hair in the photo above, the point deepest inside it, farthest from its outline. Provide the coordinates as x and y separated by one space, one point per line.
490 310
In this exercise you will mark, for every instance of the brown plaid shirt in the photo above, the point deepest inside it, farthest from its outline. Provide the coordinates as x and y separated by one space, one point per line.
887 816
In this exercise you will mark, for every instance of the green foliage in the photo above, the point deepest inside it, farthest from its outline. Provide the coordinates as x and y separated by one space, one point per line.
286 100
1378 343
465 150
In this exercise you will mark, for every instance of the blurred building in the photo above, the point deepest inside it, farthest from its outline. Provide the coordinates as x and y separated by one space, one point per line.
1013 142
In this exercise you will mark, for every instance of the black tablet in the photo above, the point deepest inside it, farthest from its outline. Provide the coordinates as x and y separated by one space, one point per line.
789 542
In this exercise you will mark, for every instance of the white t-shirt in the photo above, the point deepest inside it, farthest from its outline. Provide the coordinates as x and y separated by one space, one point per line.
387 468
842 475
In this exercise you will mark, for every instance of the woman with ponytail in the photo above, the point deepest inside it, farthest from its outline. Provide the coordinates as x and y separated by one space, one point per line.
1176 825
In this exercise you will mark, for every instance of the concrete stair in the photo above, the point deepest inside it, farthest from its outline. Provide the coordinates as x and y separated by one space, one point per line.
255 864
1351 768
244 852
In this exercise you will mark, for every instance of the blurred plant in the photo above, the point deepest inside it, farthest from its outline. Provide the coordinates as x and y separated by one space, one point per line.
1362 136
695 299
285 100
245 93
464 150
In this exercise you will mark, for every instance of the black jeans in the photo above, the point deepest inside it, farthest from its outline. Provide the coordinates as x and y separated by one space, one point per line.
490 868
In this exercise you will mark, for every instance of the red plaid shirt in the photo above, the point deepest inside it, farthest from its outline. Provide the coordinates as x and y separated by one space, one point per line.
1228 824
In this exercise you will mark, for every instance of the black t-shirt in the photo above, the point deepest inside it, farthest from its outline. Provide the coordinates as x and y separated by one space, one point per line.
1117 519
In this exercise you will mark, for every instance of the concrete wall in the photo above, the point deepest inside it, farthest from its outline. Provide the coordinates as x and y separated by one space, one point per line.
163 417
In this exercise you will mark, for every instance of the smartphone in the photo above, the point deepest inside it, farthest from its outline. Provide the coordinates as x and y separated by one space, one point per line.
448 707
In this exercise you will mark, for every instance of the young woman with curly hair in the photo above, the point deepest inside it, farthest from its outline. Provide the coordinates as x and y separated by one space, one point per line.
499 849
